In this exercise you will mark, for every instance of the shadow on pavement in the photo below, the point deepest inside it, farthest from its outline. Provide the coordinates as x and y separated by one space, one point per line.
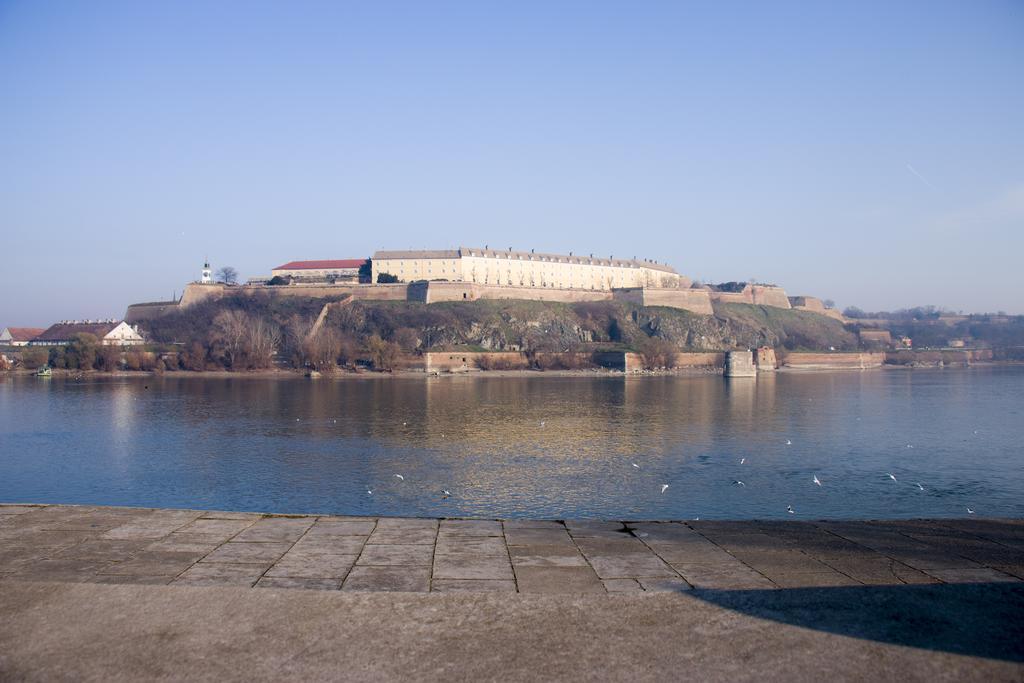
979 619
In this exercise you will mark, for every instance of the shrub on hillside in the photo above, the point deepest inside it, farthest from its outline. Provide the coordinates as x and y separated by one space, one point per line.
33 358
657 353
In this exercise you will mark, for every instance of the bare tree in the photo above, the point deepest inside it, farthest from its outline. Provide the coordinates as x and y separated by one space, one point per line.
263 337
227 275
657 353
383 354
229 332
322 349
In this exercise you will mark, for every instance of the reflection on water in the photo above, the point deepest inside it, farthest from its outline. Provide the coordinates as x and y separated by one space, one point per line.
535 446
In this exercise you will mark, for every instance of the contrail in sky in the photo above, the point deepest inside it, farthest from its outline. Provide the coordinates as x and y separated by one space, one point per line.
923 179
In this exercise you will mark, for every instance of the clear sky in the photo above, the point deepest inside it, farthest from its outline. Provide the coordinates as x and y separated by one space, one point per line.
868 152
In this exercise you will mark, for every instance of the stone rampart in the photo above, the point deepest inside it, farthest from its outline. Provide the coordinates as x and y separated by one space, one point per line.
693 300
961 357
468 361
765 360
833 361
141 312
543 294
766 295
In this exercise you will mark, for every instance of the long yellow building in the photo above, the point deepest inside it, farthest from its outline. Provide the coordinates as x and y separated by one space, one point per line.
523 269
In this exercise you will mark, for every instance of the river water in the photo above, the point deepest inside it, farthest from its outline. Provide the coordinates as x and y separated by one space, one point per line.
537 446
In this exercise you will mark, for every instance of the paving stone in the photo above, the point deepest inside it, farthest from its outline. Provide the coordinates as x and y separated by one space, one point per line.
630 566
221 575
396 555
249 516
297 582
154 563
254 553
132 579
622 586
546 556
878 571
470 545
558 580
58 570
331 545
55 539
335 529
781 561
671 585
413 536
401 523
510 524
320 566
407 579
612 546
215 529
927 560
812 580
184 543
539 537
470 527
971 575
472 567
594 529
102 550
696 552
722 577
472 586
274 530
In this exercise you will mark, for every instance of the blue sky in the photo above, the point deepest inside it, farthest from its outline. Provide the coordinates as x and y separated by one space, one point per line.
868 152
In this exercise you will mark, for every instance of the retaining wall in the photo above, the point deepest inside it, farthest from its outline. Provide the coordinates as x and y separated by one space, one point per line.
833 361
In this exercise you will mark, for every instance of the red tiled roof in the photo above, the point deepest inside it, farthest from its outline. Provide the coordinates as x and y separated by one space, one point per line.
24 333
322 265
67 331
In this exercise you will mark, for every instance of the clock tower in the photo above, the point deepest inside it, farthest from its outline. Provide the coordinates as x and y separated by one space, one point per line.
207 273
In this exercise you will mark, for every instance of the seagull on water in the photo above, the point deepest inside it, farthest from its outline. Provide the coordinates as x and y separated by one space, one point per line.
788 442
400 477
446 493
403 424
636 466
816 480
664 487
737 482
920 488
892 476
970 511
369 492
742 460
790 510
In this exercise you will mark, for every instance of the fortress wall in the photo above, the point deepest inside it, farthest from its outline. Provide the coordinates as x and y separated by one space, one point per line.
543 294
944 356
769 296
137 313
834 361
693 300
807 303
744 297
764 358
628 361
466 361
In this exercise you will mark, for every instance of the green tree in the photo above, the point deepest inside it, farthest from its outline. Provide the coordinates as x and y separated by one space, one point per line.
33 358
81 352
386 278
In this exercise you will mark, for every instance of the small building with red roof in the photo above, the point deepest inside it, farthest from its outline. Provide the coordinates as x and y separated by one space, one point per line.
19 336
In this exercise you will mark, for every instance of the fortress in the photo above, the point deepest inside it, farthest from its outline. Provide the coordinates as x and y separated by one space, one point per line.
524 269
471 274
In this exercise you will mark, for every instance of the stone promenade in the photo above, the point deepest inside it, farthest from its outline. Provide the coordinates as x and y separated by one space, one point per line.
195 548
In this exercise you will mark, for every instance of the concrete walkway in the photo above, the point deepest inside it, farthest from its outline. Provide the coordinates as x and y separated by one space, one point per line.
187 547
205 596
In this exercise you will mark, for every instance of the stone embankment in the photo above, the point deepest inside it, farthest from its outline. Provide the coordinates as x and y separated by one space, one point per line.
191 547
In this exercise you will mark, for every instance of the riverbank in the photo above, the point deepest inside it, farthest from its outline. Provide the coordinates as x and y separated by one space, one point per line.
115 593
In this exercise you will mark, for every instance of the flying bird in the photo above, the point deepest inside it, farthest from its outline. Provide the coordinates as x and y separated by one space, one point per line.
921 488
970 511
737 482
446 493
542 423
664 487
816 480
790 510
636 466
892 476
742 460
400 477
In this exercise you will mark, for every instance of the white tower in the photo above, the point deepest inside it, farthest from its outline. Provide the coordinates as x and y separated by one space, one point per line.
207 273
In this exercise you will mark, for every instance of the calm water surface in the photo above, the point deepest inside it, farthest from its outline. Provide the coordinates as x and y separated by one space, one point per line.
538 446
